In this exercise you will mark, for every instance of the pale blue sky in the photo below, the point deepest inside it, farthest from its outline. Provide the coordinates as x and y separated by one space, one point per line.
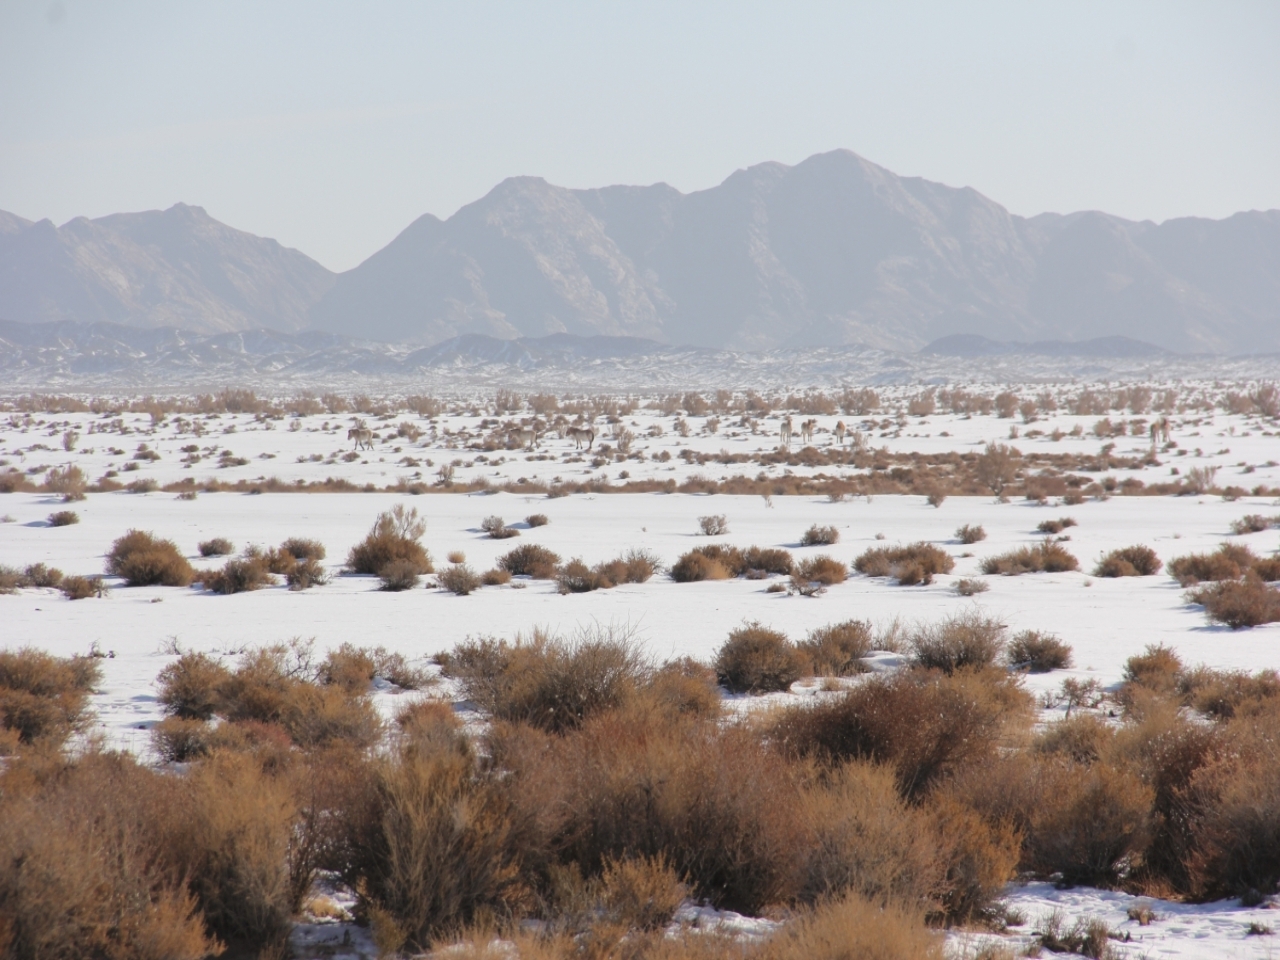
331 126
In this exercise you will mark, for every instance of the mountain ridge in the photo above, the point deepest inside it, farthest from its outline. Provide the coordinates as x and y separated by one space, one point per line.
833 251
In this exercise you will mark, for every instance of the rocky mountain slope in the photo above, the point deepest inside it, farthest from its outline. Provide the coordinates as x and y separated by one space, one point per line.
834 251
178 267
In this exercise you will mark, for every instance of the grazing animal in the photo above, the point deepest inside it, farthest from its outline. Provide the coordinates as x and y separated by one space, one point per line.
581 435
1160 431
527 437
363 437
806 430
785 432
840 431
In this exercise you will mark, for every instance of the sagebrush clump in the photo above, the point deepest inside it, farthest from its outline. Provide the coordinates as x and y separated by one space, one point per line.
756 659
1044 557
394 539
1136 561
916 563
145 560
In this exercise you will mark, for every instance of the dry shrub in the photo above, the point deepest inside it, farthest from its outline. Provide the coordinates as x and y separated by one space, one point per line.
537 520
1252 523
868 841
399 575
636 566
971 533
11 579
684 686
820 536
756 659
176 740
306 573
822 569
191 688
239 576
765 560
459 579
38 575
217 547
641 893
963 641
1239 603
1136 561
1157 668
143 560
1044 557
82 588
853 927
393 539
1037 652
1222 694
69 482
1088 822
546 681
495 577
714 525
1082 738
355 668
969 587
497 528
837 649
301 549
1229 562
428 843
712 799
530 560
456 556
63 518
43 697
80 875
916 563
696 565
926 725
1054 526
980 860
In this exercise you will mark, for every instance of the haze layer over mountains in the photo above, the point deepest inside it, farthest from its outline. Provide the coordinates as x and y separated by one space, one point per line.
833 251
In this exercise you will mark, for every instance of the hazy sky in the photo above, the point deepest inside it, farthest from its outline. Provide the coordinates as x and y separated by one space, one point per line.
331 126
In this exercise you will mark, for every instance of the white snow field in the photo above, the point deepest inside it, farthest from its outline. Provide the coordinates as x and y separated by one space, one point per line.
1105 621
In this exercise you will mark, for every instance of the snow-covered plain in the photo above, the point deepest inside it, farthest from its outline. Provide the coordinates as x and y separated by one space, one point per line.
1105 621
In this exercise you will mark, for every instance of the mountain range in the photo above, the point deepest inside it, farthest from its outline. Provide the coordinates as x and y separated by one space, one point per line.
834 251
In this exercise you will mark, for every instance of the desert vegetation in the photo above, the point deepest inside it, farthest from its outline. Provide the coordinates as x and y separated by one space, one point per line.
916 563
1044 557
394 539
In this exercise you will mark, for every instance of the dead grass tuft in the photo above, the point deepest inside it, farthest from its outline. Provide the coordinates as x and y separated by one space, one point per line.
217 547
1055 526
63 518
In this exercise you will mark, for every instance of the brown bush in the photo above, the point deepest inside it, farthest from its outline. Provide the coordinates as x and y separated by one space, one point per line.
1037 652
82 588
393 539
712 799
428 843
765 560
63 518
980 859
909 565
959 642
176 740
926 725
43 697
971 533
537 520
530 560
217 547
756 659
1082 738
1239 603
969 587
495 577
142 560
301 548
868 841
684 686
239 576
79 874
853 927
837 649
306 573
696 565
1228 562
191 688
714 525
69 482
1054 526
546 681
399 575
1044 557
1222 694
822 569
355 668
38 575
12 579
1157 668
1252 523
1137 561
459 579
497 529
820 536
